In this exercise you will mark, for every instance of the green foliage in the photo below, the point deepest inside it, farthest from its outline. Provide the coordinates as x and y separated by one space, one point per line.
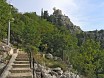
88 60
4 15
101 76
58 40
55 64
33 33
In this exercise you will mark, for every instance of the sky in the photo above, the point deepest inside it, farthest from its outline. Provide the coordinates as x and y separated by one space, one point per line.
88 14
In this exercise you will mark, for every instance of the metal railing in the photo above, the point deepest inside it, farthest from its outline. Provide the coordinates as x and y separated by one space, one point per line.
32 62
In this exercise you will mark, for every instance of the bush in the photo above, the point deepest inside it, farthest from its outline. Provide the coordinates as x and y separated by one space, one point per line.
101 76
55 64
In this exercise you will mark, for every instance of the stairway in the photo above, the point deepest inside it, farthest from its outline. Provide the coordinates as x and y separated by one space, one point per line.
21 67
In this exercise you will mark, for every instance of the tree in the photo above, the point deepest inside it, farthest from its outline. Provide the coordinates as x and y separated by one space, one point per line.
4 16
88 60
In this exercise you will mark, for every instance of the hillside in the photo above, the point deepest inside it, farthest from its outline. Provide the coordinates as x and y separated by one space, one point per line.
55 34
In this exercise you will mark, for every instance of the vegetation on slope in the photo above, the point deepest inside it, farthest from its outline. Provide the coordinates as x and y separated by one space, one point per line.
33 33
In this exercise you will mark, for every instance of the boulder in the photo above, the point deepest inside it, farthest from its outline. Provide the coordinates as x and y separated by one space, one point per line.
57 58
72 75
62 76
57 70
35 66
47 75
38 74
53 73
49 56
67 74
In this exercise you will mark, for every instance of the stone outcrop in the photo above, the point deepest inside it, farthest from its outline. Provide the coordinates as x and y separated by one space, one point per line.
60 19
46 72
95 35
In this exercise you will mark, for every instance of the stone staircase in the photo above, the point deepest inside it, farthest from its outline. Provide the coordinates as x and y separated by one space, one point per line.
21 67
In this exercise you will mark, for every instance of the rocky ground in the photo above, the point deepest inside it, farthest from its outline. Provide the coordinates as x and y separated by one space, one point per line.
42 71
45 72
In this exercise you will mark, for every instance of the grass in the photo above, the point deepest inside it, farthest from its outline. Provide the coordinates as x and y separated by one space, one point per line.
101 75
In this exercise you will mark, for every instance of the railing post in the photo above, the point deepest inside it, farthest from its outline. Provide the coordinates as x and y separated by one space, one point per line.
33 68
30 59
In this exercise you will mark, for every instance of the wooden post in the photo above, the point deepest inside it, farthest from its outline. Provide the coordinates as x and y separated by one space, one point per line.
33 68
30 59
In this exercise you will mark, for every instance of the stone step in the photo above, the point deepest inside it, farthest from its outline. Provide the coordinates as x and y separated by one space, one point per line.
22 59
21 62
20 70
20 66
20 75
23 54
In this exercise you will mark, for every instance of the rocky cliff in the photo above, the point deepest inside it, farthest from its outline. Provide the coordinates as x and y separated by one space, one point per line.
60 19
95 35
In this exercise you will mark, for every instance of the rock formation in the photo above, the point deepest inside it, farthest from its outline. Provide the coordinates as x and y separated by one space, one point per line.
60 19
